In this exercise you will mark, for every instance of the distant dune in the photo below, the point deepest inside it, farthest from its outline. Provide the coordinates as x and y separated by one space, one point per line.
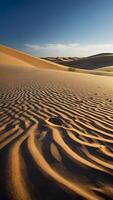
13 57
56 131
90 63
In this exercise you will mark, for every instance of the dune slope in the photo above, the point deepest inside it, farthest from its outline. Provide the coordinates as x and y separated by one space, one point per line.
100 61
9 56
11 61
56 135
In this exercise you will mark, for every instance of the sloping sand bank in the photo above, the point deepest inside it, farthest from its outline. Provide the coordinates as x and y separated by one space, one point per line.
56 135
9 56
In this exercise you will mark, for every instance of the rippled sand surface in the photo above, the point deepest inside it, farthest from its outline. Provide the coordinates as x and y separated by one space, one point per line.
56 135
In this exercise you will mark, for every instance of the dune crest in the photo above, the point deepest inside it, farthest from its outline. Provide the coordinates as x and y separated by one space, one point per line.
9 56
102 61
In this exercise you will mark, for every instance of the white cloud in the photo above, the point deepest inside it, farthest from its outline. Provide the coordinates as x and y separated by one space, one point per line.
72 49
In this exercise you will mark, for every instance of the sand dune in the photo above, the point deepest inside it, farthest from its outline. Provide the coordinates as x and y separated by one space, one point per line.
8 60
14 58
102 61
9 56
56 135
107 69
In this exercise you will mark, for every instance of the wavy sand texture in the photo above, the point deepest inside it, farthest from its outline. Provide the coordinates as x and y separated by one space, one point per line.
56 134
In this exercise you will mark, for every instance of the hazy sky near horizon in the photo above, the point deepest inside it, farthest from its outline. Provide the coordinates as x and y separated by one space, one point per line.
57 27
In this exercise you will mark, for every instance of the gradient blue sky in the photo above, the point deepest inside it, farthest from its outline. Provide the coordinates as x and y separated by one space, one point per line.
57 27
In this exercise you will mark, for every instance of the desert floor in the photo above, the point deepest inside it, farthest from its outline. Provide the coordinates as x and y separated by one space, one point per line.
56 135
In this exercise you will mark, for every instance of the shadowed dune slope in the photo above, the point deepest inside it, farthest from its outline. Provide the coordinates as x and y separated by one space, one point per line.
56 135
9 56
92 62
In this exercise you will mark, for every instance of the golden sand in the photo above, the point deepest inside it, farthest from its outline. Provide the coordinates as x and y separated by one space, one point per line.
9 56
56 134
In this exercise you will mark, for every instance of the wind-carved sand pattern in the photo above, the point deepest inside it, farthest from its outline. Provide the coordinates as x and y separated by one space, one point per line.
56 135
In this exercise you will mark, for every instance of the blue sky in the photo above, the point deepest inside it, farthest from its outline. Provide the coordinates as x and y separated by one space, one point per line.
57 27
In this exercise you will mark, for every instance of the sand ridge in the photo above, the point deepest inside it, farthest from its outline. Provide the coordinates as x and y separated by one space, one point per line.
103 61
55 135
13 57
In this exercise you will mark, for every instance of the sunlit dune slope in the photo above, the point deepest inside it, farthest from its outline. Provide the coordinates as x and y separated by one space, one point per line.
9 56
8 60
107 69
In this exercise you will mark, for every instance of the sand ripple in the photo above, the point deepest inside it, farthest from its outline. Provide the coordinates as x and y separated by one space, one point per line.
56 136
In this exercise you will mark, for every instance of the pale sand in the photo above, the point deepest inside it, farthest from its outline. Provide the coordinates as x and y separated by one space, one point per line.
56 135
108 69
